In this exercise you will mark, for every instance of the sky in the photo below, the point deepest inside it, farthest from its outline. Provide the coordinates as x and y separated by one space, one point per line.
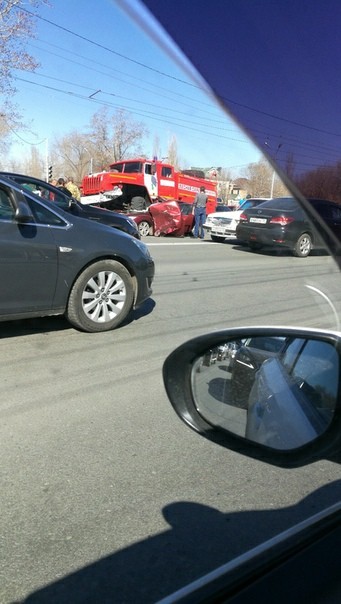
92 54
275 64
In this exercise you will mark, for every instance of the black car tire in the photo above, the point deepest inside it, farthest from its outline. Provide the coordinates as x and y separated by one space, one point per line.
239 398
101 297
254 246
303 246
144 228
217 239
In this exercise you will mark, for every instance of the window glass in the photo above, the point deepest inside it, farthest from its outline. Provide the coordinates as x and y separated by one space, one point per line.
117 167
6 209
166 171
44 216
133 167
324 210
285 203
317 366
336 213
245 205
291 352
271 344
46 193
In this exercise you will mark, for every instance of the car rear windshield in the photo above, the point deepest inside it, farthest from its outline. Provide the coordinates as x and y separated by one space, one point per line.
283 203
271 344
221 208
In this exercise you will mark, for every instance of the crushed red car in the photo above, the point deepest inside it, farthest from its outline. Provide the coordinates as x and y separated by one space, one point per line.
163 217
172 218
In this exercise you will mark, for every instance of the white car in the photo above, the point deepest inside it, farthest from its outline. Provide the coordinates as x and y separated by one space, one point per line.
221 210
223 224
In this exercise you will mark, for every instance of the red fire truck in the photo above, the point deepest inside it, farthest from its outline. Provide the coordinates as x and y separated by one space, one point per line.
149 179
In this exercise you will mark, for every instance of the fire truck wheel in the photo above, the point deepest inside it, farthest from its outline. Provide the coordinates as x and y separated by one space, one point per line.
144 228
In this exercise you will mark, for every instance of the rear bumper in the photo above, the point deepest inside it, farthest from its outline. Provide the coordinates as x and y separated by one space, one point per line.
277 236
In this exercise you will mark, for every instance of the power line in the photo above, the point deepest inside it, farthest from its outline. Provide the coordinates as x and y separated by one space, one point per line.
110 68
169 120
145 66
125 98
136 112
118 54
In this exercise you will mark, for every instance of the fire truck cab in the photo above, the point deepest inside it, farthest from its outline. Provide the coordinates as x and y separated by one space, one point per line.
145 178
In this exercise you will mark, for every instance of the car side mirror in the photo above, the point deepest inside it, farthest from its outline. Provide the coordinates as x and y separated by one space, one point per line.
23 213
270 393
72 202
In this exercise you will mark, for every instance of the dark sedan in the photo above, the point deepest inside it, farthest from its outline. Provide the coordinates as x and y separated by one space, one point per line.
46 191
283 223
52 263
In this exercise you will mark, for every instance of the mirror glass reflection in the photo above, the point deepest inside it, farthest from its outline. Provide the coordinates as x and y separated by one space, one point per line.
274 390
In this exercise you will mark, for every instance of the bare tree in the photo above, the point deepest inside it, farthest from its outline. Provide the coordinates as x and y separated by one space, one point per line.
111 138
127 135
35 164
114 137
72 156
263 181
172 152
324 182
100 139
16 26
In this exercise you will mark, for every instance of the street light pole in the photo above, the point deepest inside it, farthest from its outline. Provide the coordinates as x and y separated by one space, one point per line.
47 159
91 160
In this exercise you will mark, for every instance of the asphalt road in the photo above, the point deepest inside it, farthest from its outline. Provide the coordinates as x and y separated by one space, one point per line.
105 495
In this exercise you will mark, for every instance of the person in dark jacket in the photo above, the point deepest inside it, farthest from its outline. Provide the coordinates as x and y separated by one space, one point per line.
62 187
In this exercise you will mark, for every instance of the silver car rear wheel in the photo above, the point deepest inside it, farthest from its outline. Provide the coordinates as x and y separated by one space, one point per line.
144 228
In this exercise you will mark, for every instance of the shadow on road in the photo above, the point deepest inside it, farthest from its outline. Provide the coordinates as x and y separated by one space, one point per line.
142 311
200 538
24 327
275 251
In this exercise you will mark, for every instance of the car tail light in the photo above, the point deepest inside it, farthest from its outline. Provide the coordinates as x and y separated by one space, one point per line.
243 218
282 220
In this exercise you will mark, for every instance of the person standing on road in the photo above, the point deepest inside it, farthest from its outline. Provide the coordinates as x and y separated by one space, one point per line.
72 187
200 202
61 185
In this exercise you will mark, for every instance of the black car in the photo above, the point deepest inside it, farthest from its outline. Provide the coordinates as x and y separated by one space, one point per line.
246 362
282 222
70 204
53 265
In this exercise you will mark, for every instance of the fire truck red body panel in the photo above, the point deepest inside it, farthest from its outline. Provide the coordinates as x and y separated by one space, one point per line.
147 178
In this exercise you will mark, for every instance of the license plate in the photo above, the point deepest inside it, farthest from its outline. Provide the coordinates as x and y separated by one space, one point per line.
218 231
258 220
